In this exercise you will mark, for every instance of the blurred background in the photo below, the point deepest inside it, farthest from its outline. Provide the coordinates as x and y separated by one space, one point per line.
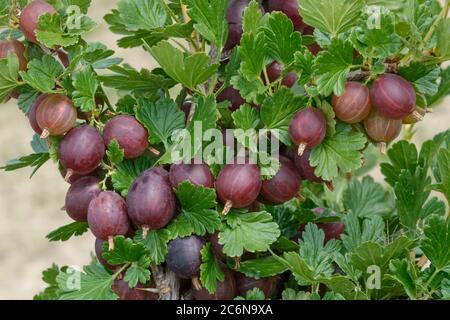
30 209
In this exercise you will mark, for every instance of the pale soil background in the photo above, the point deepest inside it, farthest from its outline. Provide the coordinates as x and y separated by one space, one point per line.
29 209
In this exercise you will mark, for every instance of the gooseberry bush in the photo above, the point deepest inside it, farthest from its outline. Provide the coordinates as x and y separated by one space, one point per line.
329 84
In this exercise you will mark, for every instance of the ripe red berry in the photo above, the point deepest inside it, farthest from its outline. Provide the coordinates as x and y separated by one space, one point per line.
354 104
217 247
225 290
291 9
56 115
99 254
197 174
32 113
14 47
284 186
129 133
122 289
244 283
238 185
81 150
274 72
183 256
305 169
308 129
29 17
332 230
233 96
151 201
393 96
234 15
79 197
382 129
107 216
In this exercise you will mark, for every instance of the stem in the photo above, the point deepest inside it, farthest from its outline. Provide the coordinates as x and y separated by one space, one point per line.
435 273
170 12
442 15
266 76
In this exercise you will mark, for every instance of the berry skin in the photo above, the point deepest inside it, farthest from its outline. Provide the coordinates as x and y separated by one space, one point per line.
217 247
274 72
80 195
234 15
107 216
183 256
32 113
393 96
382 129
291 9
151 201
55 115
233 96
305 169
332 230
99 254
129 133
16 47
197 174
81 150
244 283
238 185
29 17
308 129
354 105
225 290
121 288
284 186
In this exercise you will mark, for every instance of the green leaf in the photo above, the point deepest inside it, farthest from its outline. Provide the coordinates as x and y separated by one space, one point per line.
210 19
66 232
26 100
286 218
127 171
39 145
358 231
366 198
210 271
443 89
443 160
436 243
125 250
303 64
86 84
443 39
252 294
35 160
142 14
376 38
161 118
115 153
262 267
333 66
196 215
49 277
140 83
246 117
332 16
253 232
282 41
42 74
422 76
252 18
403 272
251 90
95 284
330 116
138 272
190 71
342 151
49 32
403 156
9 72
252 51
156 244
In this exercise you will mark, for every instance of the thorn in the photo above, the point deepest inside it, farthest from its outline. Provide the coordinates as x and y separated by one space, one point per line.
69 173
110 243
301 149
45 134
237 263
196 283
330 185
227 207
383 148
145 231
154 151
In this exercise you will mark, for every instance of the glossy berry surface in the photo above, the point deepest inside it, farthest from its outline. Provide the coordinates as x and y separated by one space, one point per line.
239 184
234 15
32 113
79 197
380 128
304 167
129 133
393 96
308 128
291 9
82 150
284 186
274 71
122 289
354 105
197 174
29 17
16 47
107 215
233 96
151 201
56 114
225 290
183 256
244 283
